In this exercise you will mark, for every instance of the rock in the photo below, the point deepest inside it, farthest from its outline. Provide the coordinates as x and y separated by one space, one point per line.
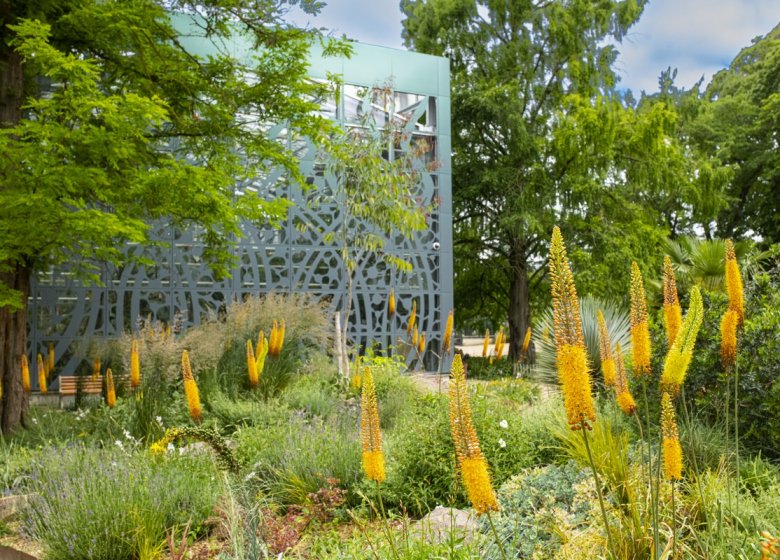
9 505
437 525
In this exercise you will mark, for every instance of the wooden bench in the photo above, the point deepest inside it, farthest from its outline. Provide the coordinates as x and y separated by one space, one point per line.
72 384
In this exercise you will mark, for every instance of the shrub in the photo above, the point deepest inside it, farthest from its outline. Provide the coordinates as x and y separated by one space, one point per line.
106 504
481 368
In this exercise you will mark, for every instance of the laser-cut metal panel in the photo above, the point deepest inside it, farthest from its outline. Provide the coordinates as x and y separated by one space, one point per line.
296 257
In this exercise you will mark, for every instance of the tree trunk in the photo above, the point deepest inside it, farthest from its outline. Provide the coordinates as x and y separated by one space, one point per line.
519 306
13 343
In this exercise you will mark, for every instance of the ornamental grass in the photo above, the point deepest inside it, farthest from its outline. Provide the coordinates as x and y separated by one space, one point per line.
679 356
640 332
370 438
672 309
190 388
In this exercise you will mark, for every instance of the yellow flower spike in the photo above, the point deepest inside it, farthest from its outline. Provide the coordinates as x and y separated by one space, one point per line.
526 341
640 332
251 365
670 441
25 374
728 338
262 354
280 339
135 365
473 466
498 349
486 343
391 304
272 338
421 344
370 437
110 389
680 354
412 318
447 341
190 388
95 369
50 365
605 351
415 337
571 356
734 283
623 394
41 375
260 341
672 310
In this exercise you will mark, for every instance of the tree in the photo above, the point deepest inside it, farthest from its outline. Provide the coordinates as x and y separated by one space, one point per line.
541 137
136 125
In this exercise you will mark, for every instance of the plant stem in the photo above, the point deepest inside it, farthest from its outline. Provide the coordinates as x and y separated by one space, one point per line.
653 490
495 534
687 421
674 527
386 522
736 447
584 429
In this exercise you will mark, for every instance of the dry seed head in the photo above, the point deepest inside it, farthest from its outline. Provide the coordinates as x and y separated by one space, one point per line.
110 389
679 356
447 341
135 365
25 374
672 451
370 437
734 282
728 338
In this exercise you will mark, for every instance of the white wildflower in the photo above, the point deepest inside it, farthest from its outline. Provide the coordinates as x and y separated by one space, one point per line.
501 443
504 424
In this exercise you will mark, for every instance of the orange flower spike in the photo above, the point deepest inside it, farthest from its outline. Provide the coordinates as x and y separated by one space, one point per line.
447 341
190 388
41 375
605 351
25 374
391 304
95 369
412 318
670 441
370 437
272 338
421 344
571 356
526 341
135 365
50 365
624 398
486 343
251 365
280 342
640 332
672 309
415 337
728 338
110 389
734 283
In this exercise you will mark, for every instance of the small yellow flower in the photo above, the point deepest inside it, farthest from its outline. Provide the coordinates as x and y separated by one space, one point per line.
110 389
672 310
640 333
190 388
135 365
486 343
734 282
25 374
447 341
672 451
251 365
41 375
679 356
370 437
728 338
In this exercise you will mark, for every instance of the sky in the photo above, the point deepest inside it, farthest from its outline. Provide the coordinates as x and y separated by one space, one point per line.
698 37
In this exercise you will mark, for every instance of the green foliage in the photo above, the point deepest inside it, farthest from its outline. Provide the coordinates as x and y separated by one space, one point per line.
618 326
478 367
106 504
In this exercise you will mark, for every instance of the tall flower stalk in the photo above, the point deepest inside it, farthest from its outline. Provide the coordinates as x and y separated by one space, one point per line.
251 365
672 456
640 332
672 309
50 361
190 388
41 375
370 437
135 365
605 352
110 389
679 356
571 357
25 374
486 343
261 355
622 392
